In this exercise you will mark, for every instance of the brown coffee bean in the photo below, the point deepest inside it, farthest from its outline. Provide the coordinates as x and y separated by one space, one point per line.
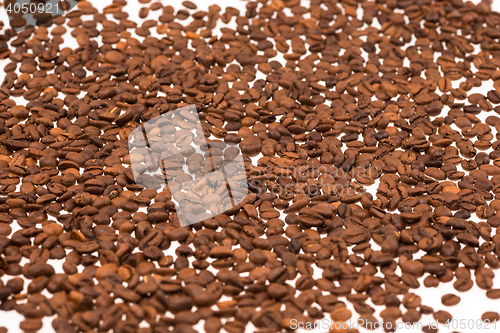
450 300
189 5
31 325
493 293
341 314
490 316
411 316
442 316
429 329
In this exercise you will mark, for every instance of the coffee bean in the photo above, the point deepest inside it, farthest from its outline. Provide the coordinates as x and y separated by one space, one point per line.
31 325
450 300
493 293
490 316
429 329
411 316
189 5
341 314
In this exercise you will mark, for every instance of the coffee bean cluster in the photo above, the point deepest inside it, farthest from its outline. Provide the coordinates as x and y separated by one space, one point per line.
324 99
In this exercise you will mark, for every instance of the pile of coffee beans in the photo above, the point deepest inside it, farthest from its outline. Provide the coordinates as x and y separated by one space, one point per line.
325 98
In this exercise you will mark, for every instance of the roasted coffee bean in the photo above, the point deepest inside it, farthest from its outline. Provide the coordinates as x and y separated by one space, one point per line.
450 300
31 325
340 314
490 316
429 329
442 316
411 316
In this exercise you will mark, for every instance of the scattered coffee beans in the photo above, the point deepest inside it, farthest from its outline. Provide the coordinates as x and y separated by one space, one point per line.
358 122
